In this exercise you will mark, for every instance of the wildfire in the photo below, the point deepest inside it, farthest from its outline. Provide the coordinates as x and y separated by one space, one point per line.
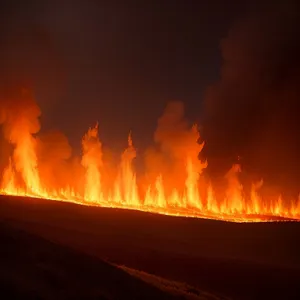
171 186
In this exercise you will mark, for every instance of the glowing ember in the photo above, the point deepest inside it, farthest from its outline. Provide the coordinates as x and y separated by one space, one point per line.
171 188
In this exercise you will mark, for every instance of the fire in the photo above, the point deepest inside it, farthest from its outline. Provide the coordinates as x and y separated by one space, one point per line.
172 187
92 161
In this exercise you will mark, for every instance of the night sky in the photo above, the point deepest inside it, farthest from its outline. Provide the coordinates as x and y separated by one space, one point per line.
115 63
120 62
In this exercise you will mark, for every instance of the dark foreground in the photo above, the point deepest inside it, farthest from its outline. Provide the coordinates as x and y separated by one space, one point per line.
32 268
241 261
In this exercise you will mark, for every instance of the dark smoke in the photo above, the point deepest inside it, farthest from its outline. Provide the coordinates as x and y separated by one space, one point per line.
252 112
29 61
29 54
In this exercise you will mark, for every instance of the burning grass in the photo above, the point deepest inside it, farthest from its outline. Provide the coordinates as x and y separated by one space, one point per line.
174 182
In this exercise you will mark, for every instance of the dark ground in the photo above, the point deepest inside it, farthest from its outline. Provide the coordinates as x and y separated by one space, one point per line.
242 261
33 268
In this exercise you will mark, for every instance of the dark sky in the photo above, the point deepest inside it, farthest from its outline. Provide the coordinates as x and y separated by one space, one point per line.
115 62
235 65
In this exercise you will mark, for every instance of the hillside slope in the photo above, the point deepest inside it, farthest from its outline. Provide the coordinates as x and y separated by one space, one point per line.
242 261
33 268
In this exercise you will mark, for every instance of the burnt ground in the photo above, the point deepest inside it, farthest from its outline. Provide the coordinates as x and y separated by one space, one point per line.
241 261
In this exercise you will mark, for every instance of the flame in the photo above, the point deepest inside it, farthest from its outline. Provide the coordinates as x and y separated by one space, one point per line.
92 161
174 191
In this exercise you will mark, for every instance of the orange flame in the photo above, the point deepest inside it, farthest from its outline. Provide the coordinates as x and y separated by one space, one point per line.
92 161
183 198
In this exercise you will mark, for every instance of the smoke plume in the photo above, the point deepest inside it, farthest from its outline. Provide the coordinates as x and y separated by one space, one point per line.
252 111
176 142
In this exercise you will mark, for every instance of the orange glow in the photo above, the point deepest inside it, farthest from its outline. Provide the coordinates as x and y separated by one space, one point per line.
92 161
171 186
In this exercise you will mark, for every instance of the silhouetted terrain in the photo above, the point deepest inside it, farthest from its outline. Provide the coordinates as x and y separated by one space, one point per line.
241 261
32 268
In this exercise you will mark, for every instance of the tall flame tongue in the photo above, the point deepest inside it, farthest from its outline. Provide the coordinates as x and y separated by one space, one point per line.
92 161
127 181
194 169
19 127
173 189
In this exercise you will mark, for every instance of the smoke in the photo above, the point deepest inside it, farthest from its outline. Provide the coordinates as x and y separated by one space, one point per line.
41 159
17 109
54 155
29 62
30 54
19 116
18 106
177 141
252 111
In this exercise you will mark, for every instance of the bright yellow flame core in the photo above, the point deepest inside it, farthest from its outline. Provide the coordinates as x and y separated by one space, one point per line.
125 192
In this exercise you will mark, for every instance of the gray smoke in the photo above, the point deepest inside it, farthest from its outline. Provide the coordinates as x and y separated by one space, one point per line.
253 110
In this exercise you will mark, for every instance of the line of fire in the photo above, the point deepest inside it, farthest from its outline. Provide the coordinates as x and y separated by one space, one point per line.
173 186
